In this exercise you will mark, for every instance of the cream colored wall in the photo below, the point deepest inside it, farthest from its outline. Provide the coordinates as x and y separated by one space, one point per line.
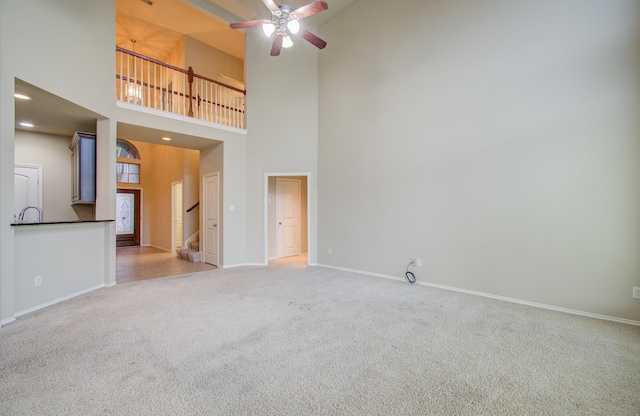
167 165
62 37
282 128
53 154
496 141
191 189
210 62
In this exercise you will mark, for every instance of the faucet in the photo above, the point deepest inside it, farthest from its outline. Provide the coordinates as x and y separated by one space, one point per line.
24 210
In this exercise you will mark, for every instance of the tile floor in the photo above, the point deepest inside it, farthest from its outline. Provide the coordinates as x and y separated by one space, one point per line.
142 263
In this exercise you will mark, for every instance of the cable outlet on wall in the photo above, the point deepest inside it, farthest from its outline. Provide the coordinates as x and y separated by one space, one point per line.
636 292
416 262
37 281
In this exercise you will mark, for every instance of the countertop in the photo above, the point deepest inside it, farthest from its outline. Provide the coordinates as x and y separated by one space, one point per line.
57 222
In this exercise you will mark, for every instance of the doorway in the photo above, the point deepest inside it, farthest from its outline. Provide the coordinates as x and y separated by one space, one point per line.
210 219
287 217
177 227
127 217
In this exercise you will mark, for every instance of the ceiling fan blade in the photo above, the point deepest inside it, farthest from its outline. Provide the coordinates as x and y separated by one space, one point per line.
271 5
250 23
311 38
277 45
310 9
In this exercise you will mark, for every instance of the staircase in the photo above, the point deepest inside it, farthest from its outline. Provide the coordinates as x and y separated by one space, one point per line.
192 253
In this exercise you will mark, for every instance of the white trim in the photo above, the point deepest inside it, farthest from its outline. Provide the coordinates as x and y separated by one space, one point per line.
231 266
168 250
166 114
491 296
53 302
266 209
7 321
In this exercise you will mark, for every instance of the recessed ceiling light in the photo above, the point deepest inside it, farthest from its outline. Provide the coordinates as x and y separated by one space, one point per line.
168 139
25 124
22 96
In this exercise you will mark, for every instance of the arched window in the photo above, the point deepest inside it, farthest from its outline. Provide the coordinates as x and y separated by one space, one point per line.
127 172
126 150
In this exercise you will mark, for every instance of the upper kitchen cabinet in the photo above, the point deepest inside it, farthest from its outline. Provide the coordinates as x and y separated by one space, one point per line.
83 148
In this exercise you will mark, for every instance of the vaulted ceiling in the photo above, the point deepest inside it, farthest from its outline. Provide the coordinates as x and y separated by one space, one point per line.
158 27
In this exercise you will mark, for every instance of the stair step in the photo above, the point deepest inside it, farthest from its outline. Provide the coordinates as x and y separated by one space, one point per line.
188 254
194 245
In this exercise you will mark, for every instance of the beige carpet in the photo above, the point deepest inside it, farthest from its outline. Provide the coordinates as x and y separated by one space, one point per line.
291 340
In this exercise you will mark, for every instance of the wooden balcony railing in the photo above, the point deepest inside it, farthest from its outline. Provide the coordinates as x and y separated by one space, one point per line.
153 84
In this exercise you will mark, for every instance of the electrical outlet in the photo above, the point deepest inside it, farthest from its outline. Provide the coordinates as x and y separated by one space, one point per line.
636 292
37 280
416 262
329 251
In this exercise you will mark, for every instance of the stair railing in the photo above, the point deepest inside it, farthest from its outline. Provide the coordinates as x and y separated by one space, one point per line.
149 83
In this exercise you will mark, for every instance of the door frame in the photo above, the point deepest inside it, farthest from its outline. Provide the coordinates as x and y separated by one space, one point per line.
278 207
138 212
173 214
203 210
267 175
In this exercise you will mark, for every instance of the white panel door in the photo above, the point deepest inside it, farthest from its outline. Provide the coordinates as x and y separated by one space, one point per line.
27 191
210 218
287 217
177 210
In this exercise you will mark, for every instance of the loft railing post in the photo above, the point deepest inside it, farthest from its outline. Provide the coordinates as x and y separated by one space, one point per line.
190 79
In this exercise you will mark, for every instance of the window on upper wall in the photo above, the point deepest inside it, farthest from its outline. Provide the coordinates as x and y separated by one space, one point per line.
127 172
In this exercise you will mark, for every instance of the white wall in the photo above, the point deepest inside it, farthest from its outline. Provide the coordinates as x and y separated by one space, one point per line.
497 141
68 50
62 257
282 127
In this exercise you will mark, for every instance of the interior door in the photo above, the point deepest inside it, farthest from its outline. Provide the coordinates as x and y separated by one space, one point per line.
178 228
27 190
128 217
210 218
287 217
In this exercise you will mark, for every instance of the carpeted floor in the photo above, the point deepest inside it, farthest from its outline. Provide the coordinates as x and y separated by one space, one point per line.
292 340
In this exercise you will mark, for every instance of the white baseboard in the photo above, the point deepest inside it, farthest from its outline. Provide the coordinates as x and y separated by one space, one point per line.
7 321
160 248
231 266
53 302
489 295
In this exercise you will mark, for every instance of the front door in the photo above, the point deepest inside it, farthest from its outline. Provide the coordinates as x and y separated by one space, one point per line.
287 217
210 218
128 217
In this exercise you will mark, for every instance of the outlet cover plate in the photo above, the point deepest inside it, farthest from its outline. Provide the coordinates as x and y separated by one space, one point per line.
636 292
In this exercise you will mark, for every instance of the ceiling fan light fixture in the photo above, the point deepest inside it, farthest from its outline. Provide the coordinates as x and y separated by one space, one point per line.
287 42
268 29
293 26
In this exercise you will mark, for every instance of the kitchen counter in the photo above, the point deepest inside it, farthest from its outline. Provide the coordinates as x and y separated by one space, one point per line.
58 222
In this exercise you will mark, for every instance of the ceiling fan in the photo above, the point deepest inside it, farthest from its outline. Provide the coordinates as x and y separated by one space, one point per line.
284 22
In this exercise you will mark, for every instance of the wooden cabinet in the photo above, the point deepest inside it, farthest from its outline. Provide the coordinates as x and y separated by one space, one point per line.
83 149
